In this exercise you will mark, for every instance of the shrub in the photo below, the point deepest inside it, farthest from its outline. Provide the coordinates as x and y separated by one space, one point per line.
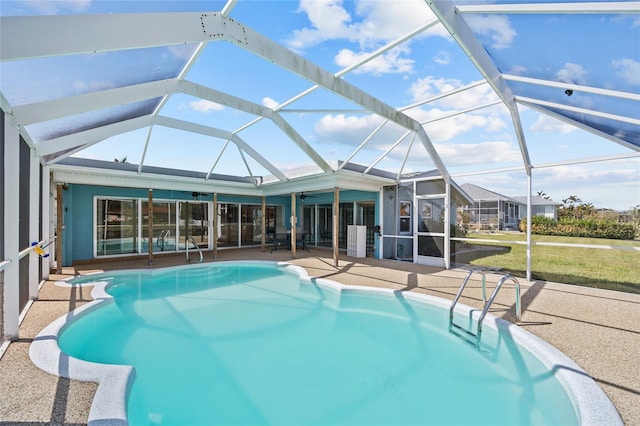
590 228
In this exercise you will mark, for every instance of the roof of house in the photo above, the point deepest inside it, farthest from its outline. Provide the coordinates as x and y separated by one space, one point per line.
536 201
478 193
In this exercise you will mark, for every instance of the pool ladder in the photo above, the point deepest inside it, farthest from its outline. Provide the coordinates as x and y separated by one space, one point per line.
487 304
193 240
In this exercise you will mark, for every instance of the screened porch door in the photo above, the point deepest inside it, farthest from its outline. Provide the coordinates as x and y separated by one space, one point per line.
431 220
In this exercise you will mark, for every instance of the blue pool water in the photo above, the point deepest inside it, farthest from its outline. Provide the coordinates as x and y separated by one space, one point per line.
255 344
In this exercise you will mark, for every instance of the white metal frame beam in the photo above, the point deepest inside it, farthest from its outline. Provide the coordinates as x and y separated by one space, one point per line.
446 11
72 105
234 102
554 8
273 52
574 87
24 33
539 106
220 134
89 137
578 110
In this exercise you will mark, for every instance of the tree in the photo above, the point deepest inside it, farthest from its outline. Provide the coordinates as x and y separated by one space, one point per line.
543 195
570 208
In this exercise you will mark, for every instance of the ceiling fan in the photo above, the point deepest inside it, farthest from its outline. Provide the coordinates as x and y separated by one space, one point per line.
303 196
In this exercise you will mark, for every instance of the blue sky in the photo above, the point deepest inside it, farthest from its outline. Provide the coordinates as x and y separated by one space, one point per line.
334 34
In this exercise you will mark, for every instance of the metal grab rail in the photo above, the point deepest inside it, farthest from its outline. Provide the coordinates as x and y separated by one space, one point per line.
161 238
487 304
193 240
4 264
22 253
26 251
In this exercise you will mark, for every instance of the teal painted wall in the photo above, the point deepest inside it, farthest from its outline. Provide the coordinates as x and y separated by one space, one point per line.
78 214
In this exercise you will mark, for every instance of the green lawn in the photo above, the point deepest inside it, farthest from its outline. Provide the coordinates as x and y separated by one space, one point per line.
611 269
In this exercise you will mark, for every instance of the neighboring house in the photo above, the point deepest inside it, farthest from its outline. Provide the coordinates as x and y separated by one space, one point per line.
494 211
539 206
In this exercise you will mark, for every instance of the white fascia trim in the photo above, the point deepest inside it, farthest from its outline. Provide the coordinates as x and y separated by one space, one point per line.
558 8
118 178
343 179
89 137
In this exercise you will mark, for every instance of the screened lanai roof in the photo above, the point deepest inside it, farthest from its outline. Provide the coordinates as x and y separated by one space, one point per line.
261 88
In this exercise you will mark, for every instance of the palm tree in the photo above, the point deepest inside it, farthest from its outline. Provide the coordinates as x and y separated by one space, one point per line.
543 195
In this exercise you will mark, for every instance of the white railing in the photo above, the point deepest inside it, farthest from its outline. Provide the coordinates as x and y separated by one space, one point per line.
41 244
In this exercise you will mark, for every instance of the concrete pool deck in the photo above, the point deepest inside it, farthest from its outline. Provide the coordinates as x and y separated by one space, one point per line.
598 329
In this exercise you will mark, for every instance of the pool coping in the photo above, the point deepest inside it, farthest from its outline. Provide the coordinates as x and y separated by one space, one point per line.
109 406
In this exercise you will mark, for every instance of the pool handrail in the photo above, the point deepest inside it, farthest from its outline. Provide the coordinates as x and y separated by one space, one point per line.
487 304
186 244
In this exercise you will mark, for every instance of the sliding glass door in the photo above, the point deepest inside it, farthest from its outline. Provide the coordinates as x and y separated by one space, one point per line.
116 227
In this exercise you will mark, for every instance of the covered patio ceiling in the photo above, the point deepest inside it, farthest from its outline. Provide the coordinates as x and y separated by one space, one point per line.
275 91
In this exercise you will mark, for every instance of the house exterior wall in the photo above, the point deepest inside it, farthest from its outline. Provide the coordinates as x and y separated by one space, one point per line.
79 211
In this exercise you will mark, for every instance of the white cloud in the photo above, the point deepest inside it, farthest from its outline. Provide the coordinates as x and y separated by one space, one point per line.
180 51
388 63
497 27
329 20
370 25
54 7
387 20
492 152
445 130
429 86
628 70
572 73
442 58
518 70
346 129
269 102
545 123
205 106
92 86
606 184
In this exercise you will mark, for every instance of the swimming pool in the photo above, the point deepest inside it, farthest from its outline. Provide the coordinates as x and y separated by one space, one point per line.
262 343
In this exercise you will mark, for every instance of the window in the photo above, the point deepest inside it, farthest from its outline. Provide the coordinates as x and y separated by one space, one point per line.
116 227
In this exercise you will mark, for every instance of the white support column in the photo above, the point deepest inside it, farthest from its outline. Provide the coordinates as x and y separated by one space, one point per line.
380 222
46 233
447 226
336 218
294 220
529 226
11 178
34 222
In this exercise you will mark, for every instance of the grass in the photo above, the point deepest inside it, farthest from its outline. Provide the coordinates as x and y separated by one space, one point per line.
609 269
